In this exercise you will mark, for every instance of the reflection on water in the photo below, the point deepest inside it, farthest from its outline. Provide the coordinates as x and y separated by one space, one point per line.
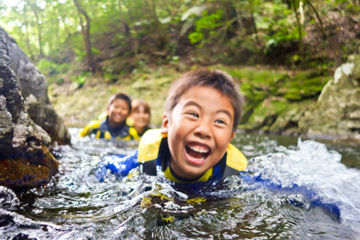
291 189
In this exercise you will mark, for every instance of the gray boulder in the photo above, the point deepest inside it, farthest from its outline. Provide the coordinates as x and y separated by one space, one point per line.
34 90
337 112
25 160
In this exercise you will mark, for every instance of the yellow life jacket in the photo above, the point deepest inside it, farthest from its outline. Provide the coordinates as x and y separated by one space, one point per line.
102 130
149 151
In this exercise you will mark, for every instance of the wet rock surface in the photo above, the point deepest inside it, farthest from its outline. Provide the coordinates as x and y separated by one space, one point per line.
25 160
34 90
338 107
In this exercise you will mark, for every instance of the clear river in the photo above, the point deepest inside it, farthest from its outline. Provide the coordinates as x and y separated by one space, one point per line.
293 188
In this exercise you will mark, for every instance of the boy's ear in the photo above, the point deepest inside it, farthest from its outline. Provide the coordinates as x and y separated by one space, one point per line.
232 136
165 123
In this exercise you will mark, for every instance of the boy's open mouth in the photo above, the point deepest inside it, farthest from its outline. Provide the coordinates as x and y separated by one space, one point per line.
118 117
197 152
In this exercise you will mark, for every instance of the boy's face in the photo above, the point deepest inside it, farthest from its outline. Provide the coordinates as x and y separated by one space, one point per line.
199 130
118 111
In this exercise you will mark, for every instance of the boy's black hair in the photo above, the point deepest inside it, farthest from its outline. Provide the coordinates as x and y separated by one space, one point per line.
122 96
215 79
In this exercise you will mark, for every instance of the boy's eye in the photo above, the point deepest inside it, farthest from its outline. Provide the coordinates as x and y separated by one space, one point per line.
220 121
194 114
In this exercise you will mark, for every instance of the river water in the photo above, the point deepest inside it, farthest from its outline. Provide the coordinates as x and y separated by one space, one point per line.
292 189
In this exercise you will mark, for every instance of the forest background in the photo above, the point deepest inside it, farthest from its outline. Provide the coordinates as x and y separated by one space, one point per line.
280 51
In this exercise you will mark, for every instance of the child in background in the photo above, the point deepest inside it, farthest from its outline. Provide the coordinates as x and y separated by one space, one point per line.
114 125
140 113
201 115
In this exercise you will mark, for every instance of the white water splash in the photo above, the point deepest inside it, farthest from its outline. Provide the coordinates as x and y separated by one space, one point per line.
320 171
8 198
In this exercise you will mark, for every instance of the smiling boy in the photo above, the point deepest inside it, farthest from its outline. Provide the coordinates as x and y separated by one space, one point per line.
114 125
202 111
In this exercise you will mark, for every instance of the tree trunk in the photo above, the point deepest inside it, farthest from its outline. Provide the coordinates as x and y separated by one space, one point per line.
254 27
58 42
240 22
123 20
35 9
253 22
65 26
318 18
27 33
86 34
322 29
161 36
301 12
298 23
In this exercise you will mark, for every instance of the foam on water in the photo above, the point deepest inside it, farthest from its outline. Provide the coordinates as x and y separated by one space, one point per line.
317 172
8 198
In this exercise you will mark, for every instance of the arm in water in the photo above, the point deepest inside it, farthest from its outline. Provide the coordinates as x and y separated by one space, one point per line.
311 197
120 165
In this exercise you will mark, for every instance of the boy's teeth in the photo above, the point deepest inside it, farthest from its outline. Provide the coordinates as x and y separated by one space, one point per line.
199 149
197 152
197 159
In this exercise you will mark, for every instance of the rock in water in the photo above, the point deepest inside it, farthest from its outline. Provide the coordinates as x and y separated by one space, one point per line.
25 160
337 111
34 90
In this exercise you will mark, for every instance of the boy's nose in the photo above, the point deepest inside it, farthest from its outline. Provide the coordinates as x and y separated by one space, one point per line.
203 131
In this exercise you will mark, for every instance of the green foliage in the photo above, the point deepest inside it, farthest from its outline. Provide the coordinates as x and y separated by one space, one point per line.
80 79
110 77
280 25
207 25
196 37
48 68
52 71
155 31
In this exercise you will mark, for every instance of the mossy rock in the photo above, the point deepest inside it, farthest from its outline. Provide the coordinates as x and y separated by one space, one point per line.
356 71
256 76
290 116
293 95
299 89
265 113
33 171
252 94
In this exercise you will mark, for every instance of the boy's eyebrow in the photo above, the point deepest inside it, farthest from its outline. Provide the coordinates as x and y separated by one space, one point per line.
226 112
192 103
199 106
